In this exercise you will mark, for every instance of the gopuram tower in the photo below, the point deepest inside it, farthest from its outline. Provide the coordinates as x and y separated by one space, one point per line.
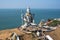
28 19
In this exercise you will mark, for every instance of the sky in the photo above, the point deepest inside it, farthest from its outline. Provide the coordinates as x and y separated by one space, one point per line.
42 4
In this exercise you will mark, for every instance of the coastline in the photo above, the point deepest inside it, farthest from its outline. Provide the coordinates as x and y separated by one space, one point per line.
6 33
32 31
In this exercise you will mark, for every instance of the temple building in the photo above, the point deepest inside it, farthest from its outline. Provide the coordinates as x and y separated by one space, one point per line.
28 18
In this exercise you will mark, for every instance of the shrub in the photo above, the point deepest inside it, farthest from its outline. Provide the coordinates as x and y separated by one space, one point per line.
54 23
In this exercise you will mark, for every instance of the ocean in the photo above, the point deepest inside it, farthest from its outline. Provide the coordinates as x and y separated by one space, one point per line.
11 18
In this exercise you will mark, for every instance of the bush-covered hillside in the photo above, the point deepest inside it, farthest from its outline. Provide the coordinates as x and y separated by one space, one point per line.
54 23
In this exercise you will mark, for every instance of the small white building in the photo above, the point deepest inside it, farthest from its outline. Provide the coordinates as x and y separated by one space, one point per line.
48 37
57 19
